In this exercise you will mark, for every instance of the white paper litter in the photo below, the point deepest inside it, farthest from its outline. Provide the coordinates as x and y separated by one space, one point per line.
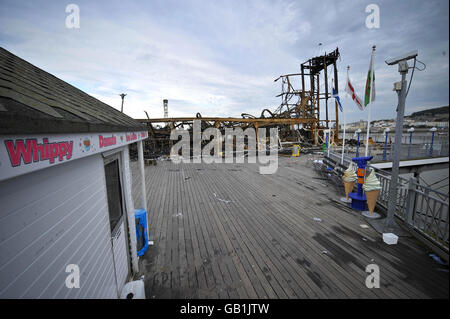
390 238
220 199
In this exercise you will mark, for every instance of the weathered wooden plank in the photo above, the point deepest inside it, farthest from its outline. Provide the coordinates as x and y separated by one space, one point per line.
271 239
292 207
364 245
205 210
264 243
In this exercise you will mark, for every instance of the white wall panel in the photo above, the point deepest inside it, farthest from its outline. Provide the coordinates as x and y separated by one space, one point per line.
52 218
120 256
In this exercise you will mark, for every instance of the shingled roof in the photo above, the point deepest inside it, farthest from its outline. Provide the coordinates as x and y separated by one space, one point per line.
33 101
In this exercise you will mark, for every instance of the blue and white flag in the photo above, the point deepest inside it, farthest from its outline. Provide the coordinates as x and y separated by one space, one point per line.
336 96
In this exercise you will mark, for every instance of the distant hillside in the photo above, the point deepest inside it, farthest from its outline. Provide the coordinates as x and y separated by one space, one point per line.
439 112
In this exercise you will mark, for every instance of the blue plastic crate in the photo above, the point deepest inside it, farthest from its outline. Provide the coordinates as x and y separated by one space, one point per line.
140 216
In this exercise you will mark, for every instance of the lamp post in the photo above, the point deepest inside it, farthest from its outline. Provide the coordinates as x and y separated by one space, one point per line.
401 89
123 97
358 132
432 130
388 224
386 132
410 130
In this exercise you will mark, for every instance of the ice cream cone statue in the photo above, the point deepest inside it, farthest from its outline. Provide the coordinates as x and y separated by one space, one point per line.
349 181
372 188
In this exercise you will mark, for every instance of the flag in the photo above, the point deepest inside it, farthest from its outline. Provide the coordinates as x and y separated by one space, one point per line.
351 90
336 96
369 83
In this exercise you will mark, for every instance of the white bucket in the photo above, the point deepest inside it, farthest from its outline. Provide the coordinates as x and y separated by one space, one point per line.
390 238
133 290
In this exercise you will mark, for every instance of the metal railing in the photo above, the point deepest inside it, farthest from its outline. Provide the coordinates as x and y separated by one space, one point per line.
421 208
381 153
427 211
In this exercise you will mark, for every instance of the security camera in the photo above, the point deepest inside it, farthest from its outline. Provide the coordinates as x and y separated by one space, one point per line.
403 57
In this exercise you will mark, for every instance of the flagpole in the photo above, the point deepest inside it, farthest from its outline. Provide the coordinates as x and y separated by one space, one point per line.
343 137
343 118
370 101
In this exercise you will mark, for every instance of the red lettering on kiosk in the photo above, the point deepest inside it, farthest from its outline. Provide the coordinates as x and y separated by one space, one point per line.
106 141
28 150
131 137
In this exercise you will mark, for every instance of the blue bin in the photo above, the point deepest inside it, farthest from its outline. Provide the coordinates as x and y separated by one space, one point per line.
140 216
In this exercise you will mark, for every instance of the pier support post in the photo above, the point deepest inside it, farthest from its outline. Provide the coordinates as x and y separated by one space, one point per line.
386 132
432 130
357 143
143 187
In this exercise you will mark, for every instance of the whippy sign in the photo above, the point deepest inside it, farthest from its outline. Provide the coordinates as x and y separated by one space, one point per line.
23 154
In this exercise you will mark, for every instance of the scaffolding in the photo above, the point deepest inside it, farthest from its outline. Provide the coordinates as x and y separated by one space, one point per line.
297 117
304 101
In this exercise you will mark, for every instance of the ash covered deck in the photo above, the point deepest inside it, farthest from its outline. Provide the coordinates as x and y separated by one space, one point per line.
225 231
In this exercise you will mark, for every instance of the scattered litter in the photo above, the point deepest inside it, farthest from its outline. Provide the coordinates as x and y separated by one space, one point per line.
324 251
186 178
133 290
364 226
365 239
178 215
438 259
390 238
317 219
150 243
372 260
220 199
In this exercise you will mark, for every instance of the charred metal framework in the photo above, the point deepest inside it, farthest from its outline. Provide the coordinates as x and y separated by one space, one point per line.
301 102
305 100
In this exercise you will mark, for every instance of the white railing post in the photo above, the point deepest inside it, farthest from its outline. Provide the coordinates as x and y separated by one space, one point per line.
143 187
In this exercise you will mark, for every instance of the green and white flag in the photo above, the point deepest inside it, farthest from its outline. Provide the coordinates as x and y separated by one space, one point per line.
370 83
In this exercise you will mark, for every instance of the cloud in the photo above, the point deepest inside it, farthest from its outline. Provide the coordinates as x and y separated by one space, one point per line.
220 58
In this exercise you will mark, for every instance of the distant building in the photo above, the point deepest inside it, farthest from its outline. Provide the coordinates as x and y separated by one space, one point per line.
354 126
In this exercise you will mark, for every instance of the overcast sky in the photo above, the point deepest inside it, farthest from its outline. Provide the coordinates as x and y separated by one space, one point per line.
220 58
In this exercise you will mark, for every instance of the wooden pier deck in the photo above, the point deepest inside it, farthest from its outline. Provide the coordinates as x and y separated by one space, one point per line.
226 231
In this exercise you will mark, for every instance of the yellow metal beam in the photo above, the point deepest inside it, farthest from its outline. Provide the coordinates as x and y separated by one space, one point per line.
231 119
